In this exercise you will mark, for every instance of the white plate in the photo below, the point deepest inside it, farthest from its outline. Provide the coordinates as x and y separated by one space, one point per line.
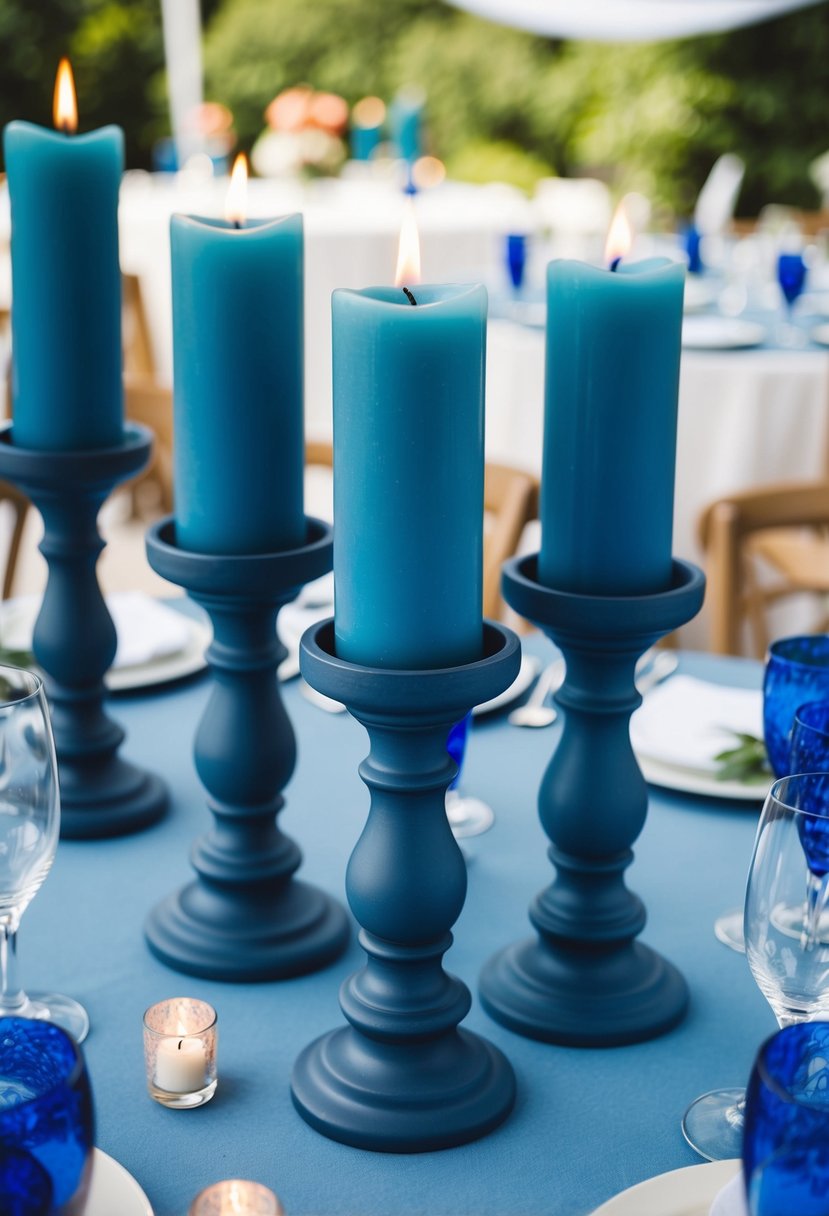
163 670
692 781
821 335
698 294
114 1191
686 1192
526 674
721 333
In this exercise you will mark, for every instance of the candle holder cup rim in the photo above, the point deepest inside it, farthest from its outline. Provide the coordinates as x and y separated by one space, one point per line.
438 691
84 466
602 615
240 573
210 1015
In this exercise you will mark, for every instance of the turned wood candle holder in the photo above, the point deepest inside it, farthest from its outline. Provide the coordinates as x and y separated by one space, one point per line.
401 1076
74 639
586 979
245 917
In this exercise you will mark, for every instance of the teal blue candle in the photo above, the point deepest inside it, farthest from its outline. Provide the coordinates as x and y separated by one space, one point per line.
409 475
66 287
406 119
238 384
612 379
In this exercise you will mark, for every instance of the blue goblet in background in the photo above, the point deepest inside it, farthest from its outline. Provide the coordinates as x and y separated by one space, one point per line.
797 671
692 244
791 275
45 1108
786 1141
516 254
810 754
467 816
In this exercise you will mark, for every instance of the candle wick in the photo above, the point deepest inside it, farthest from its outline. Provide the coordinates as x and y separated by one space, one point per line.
614 265
237 223
180 1043
409 296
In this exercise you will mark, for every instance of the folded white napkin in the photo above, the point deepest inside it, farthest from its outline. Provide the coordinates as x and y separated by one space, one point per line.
730 1201
146 628
687 722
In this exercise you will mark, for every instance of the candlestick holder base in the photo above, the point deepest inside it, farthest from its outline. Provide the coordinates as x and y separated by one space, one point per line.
585 980
245 917
74 639
402 1077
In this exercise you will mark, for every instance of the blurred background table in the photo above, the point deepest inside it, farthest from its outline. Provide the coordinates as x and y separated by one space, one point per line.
83 935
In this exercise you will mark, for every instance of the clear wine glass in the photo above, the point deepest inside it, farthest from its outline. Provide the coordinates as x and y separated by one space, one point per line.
29 827
791 275
787 936
467 816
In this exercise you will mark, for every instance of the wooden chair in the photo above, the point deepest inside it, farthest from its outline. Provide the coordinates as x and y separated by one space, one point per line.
147 402
19 504
139 361
510 502
783 527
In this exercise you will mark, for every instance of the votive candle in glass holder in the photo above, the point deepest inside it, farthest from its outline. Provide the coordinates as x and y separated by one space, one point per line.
180 1038
236 1197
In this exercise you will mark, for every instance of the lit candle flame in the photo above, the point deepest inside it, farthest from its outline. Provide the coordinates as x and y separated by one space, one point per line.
64 106
237 192
408 257
619 238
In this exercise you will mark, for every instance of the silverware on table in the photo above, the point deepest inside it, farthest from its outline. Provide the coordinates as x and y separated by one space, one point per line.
534 712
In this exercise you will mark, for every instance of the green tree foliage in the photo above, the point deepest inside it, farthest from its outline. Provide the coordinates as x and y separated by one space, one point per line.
500 102
116 50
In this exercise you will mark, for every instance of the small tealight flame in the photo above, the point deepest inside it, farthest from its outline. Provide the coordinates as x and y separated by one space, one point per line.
619 238
64 105
237 192
408 257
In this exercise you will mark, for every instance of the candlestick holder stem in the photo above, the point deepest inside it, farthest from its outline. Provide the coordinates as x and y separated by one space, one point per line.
245 917
401 1077
586 979
74 639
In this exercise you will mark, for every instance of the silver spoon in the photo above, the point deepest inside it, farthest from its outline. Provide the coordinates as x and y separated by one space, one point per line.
664 665
534 712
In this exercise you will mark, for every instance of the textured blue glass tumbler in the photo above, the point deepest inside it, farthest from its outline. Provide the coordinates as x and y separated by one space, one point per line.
797 671
810 754
46 1117
786 1142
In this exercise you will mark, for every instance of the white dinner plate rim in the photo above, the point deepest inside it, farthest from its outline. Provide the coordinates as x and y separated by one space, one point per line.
167 668
694 781
734 334
526 674
112 1188
682 1192
820 334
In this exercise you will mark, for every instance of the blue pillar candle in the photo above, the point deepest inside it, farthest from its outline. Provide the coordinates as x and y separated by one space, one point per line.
238 360
66 285
612 381
409 475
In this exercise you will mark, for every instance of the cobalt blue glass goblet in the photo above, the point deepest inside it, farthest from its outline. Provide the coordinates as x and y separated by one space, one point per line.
791 275
516 250
797 671
25 1187
786 1142
467 816
46 1108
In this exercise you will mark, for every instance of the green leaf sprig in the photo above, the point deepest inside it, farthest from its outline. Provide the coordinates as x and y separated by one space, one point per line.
747 762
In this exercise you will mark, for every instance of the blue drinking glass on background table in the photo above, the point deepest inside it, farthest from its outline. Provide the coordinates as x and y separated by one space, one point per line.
516 256
692 245
786 1142
45 1111
791 275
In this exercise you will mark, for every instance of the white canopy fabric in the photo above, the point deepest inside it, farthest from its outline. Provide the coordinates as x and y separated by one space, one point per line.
181 21
629 20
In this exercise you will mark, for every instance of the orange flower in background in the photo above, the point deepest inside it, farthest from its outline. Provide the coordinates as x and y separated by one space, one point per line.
289 111
328 112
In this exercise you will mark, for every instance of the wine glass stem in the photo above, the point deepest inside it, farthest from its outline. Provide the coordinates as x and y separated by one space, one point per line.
12 997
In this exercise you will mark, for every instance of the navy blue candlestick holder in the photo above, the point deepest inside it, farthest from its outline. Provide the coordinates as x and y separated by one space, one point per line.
585 980
245 917
74 638
401 1077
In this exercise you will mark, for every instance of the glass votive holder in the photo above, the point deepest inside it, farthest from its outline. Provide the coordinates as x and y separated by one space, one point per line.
180 1038
236 1197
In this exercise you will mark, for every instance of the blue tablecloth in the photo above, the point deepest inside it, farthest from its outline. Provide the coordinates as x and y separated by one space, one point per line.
588 1123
